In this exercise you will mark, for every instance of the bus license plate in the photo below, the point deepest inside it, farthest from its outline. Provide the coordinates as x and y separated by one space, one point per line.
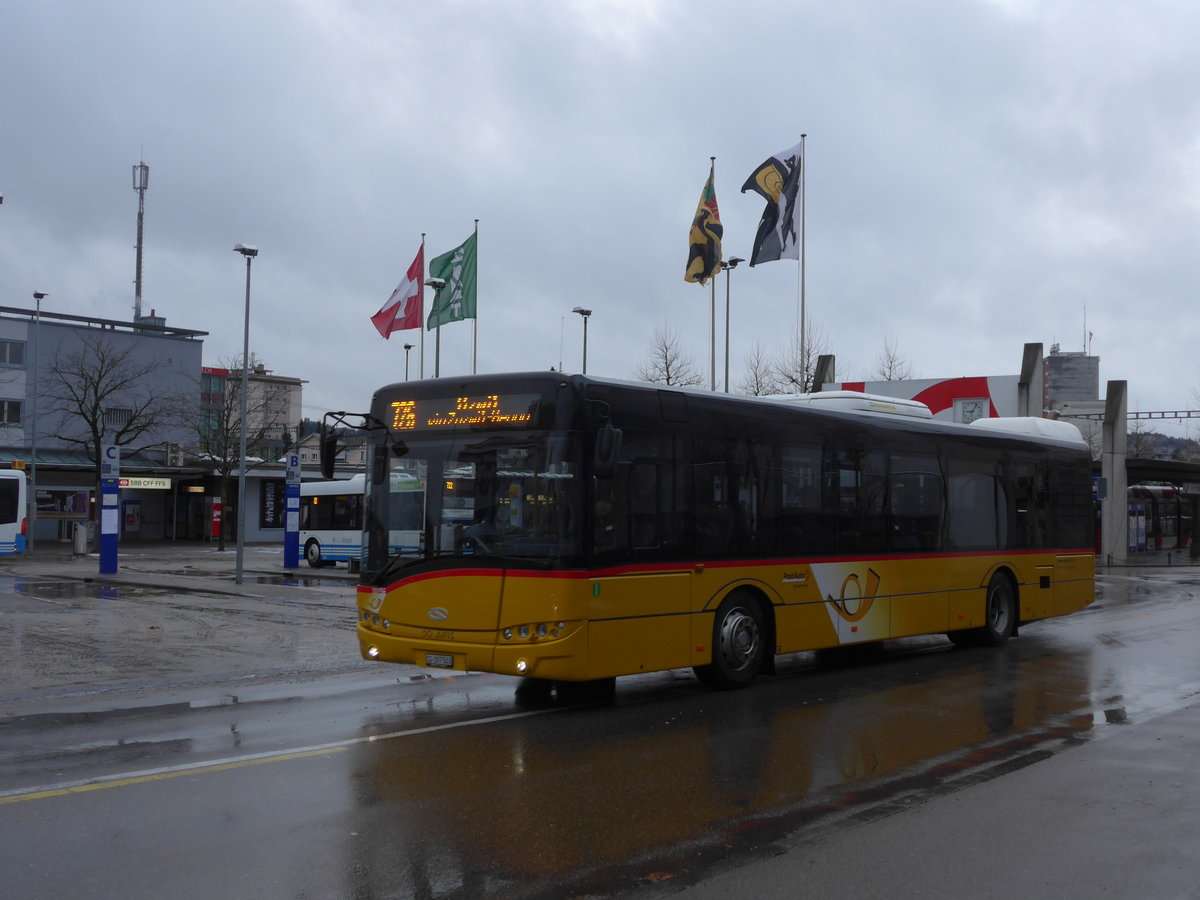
439 660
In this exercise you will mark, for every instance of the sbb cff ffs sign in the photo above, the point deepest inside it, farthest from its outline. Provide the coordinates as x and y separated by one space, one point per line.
150 484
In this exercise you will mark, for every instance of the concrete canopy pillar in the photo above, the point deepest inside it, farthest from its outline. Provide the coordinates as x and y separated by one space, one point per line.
824 373
1114 508
1031 384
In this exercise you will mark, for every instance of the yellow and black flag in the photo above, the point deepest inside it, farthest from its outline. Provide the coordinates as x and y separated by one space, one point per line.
704 249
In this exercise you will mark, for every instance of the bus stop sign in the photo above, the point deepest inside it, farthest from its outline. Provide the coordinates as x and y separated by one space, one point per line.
291 519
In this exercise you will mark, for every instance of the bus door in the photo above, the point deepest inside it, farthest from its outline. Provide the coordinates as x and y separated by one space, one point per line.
639 606
859 595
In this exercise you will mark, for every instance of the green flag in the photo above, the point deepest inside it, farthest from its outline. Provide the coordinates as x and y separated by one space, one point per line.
455 300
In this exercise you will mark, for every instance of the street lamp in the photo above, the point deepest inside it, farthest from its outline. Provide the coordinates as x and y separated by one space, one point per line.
584 313
437 284
728 266
38 297
249 253
407 347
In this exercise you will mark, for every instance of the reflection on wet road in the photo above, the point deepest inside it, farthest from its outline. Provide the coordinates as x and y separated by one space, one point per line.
447 788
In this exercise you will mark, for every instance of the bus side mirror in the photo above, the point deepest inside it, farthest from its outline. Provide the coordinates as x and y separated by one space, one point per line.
329 449
607 452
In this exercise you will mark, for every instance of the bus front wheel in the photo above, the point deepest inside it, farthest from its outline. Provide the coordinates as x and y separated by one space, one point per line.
738 644
312 553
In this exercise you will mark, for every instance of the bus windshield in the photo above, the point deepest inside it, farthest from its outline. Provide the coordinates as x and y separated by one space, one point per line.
514 495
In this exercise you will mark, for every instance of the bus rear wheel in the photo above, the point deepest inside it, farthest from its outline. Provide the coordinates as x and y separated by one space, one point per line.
738 644
999 616
1000 612
312 553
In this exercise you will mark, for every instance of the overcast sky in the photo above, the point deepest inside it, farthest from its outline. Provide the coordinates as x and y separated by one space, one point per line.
981 174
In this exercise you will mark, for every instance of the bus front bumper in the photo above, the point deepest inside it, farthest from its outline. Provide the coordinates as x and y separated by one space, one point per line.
563 658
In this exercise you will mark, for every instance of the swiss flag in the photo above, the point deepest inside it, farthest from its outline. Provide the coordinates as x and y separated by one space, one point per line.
405 306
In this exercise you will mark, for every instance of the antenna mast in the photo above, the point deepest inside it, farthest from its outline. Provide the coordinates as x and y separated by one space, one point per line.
141 181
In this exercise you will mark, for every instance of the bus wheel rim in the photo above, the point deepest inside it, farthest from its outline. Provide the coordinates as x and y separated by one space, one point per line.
998 610
739 639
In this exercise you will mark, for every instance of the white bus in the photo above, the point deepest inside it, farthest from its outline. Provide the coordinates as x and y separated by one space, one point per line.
331 518
14 500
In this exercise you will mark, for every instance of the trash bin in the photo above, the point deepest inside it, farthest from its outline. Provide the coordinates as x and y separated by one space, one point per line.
81 538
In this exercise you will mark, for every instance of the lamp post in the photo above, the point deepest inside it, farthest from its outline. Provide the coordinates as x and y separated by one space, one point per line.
38 297
728 266
584 314
407 347
249 253
437 284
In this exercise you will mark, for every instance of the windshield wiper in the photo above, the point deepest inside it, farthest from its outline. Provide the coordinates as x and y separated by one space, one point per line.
397 563
394 564
527 562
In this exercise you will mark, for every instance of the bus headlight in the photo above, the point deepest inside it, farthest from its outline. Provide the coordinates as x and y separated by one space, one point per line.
522 665
507 632
523 631
541 630
373 653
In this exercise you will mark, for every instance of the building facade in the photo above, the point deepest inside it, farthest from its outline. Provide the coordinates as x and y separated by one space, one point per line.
69 382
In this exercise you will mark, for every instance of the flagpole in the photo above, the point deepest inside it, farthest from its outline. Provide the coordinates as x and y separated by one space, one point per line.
421 360
803 326
475 318
712 365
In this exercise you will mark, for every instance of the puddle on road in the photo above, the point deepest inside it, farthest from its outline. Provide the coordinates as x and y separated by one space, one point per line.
285 580
302 581
73 590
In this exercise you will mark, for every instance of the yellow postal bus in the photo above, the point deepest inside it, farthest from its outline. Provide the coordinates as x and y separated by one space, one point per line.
576 528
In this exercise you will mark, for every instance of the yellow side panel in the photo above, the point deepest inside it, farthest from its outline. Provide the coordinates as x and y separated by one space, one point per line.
917 606
1037 602
1075 577
639 623
801 626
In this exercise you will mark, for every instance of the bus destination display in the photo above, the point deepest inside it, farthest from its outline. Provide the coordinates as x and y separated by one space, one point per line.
452 412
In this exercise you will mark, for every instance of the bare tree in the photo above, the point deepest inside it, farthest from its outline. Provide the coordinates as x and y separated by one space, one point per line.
1140 441
666 363
760 378
217 433
102 393
890 365
795 368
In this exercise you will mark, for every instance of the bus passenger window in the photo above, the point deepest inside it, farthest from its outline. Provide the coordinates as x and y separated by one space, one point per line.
915 502
643 505
799 521
972 513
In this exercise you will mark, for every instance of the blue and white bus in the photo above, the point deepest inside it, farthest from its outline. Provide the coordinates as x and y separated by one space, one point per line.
331 518
14 505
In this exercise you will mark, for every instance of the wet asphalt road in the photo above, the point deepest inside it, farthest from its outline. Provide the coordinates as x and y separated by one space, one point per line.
154 743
